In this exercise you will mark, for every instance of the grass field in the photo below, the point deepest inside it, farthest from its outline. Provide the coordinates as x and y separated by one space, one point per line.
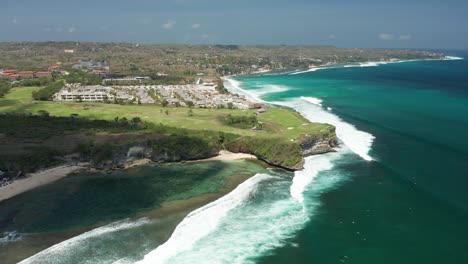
280 123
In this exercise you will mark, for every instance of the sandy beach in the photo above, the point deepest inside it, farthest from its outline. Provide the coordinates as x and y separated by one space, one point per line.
46 176
225 155
37 179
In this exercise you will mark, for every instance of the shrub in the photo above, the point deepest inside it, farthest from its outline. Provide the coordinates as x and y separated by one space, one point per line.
47 93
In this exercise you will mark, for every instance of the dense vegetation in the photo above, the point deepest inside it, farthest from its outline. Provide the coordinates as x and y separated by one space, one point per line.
80 76
5 87
167 143
243 122
103 133
47 93
34 82
36 158
43 126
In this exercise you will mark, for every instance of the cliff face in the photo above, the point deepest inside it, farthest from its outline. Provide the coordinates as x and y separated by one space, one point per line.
287 155
316 145
313 146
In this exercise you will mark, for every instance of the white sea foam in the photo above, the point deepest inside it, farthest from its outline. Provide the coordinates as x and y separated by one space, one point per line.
203 221
312 100
266 220
234 86
10 237
359 142
244 224
254 95
269 89
370 64
66 247
453 58
312 166
309 70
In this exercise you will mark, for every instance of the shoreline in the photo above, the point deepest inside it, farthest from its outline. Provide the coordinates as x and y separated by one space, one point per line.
164 218
333 65
49 175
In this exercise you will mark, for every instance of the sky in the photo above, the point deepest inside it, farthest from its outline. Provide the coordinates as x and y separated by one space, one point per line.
343 23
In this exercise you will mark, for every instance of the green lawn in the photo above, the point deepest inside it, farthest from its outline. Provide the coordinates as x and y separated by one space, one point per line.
278 122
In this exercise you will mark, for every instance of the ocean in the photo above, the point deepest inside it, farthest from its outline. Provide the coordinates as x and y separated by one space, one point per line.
394 192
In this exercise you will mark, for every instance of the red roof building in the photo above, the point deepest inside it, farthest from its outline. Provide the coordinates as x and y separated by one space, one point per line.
43 74
54 68
13 76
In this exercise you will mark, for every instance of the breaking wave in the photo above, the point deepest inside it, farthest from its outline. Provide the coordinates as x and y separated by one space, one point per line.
264 212
203 221
60 252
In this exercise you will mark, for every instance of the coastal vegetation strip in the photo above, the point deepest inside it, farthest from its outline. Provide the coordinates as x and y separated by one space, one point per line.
41 133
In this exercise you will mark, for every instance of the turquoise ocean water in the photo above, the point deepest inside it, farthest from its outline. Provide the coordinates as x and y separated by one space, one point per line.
394 192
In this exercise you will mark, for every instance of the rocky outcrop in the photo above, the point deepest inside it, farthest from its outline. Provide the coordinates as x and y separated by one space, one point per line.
313 146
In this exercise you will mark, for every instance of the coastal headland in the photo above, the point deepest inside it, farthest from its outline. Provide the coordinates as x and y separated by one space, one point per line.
61 135
167 108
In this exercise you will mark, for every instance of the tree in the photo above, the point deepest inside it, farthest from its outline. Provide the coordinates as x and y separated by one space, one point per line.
190 112
136 120
164 102
189 104
139 101
230 105
47 93
167 112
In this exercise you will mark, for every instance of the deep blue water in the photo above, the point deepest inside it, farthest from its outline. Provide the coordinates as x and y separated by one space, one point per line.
394 192
410 204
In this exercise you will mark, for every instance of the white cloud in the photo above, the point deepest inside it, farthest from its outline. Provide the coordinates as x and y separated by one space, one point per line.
195 26
332 36
386 36
15 21
406 37
169 24
71 29
58 30
47 29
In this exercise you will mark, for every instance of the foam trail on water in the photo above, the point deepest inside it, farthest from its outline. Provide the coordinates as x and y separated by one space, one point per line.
309 70
312 166
248 222
253 95
453 58
63 248
312 100
371 64
203 221
235 87
269 89
266 220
